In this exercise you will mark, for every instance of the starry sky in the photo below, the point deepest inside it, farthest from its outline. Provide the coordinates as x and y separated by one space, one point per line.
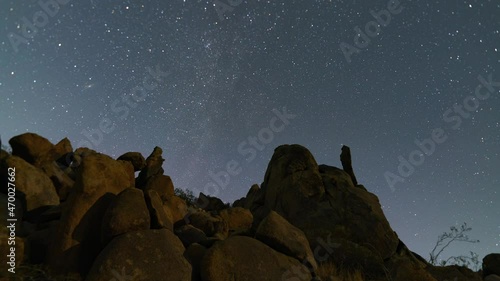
219 84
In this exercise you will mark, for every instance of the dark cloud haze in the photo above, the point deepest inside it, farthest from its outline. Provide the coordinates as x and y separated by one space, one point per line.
209 85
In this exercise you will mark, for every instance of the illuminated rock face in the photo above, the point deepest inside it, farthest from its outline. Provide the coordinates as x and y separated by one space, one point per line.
91 219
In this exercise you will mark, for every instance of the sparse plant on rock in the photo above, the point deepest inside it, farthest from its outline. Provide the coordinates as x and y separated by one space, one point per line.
456 234
187 195
328 271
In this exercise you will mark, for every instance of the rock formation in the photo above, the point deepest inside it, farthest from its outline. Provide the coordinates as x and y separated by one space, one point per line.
345 159
84 215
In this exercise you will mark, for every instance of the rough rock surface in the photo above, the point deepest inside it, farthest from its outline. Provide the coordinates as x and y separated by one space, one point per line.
209 224
153 167
190 234
162 184
160 216
403 265
33 187
194 254
237 218
302 213
61 151
209 203
135 158
30 147
345 159
146 255
76 242
491 264
177 207
246 259
127 212
279 234
323 203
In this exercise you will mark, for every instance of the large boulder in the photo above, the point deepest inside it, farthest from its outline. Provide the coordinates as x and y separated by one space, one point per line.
292 180
403 265
160 216
77 240
190 234
345 159
162 184
146 255
208 223
209 203
194 254
127 212
243 258
153 167
177 207
237 218
135 158
255 197
30 147
491 264
33 188
62 181
323 202
279 234
61 151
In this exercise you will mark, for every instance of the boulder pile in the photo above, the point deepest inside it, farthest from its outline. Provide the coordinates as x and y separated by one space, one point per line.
86 216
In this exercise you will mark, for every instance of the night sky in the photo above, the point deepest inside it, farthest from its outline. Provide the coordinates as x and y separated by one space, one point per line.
215 84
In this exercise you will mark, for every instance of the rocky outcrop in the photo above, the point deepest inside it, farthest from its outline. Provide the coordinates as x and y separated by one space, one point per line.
209 224
285 238
238 219
209 203
345 159
160 216
76 242
194 254
30 147
61 152
144 255
135 158
190 234
33 188
162 184
153 167
245 259
127 212
177 207
87 216
491 264
403 265
323 203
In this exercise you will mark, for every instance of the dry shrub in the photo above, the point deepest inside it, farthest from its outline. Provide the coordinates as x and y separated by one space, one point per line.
328 271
